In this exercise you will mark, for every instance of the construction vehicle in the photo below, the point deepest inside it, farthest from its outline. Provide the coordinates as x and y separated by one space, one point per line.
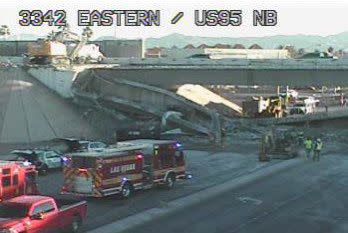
273 106
64 47
17 178
303 105
279 143
132 165
47 52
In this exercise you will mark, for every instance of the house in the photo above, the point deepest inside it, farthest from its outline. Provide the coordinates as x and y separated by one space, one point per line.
189 46
238 46
203 46
155 52
222 46
255 46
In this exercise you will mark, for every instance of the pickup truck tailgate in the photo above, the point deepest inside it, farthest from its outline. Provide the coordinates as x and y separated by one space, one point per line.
70 208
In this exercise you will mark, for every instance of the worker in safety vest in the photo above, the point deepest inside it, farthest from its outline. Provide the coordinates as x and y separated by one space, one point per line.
318 146
308 146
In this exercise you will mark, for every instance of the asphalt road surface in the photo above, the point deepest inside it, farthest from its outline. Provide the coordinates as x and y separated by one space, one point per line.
208 169
30 112
309 198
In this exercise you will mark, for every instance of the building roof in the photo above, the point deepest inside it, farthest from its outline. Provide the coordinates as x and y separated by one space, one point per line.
154 50
255 46
203 46
238 46
189 46
222 46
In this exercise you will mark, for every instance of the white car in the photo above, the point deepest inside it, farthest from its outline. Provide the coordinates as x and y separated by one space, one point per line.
92 146
291 92
43 159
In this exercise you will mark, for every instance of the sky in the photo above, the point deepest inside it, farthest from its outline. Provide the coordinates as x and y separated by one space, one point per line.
314 17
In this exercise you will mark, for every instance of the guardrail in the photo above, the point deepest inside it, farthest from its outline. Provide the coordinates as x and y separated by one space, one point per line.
343 113
239 63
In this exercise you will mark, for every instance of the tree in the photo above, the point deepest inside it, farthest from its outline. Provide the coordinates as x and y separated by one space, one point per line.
5 31
330 50
291 50
51 35
64 28
87 32
301 51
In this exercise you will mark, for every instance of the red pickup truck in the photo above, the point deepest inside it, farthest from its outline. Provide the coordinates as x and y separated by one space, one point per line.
41 214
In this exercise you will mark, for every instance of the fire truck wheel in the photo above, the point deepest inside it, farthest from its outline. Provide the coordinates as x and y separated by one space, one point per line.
126 190
170 181
75 225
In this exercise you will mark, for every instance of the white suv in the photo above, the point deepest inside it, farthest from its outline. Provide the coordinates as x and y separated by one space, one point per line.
92 146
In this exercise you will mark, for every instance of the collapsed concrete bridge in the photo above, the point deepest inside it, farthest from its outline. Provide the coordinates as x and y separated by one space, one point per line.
174 94
168 74
140 99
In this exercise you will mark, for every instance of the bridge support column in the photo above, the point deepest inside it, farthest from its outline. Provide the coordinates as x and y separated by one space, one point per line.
216 127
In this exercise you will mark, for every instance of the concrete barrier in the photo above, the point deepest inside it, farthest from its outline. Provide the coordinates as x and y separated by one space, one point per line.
335 113
15 60
59 81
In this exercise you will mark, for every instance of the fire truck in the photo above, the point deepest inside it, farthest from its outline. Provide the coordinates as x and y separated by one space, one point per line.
130 166
17 178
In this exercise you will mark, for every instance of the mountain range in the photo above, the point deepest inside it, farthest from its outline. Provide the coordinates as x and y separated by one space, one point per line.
338 41
308 42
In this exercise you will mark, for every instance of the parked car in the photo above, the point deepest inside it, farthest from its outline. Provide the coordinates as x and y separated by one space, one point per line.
92 146
41 214
76 145
291 93
44 160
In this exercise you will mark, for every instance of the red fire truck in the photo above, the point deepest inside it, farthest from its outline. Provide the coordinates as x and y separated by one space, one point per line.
17 178
132 165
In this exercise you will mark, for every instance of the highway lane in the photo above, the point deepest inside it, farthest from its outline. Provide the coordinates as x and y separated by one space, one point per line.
208 170
311 197
30 112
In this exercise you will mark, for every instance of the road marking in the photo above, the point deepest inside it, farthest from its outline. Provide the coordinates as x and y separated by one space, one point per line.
250 199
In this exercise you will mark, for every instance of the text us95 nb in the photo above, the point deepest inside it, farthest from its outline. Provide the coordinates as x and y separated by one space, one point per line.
234 17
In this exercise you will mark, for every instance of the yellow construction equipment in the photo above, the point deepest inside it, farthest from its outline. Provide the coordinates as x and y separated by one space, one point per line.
273 106
279 143
64 47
